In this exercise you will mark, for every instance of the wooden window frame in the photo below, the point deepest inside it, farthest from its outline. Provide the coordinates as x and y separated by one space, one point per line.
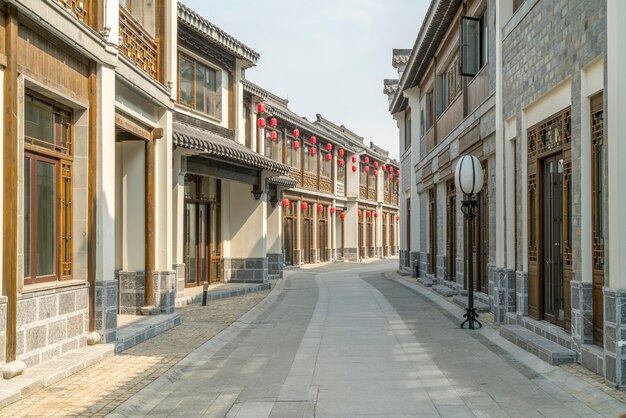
62 158
218 83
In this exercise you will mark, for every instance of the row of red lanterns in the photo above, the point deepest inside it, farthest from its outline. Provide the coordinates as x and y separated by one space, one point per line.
320 208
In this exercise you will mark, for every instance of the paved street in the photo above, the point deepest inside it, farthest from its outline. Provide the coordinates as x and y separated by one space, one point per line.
333 341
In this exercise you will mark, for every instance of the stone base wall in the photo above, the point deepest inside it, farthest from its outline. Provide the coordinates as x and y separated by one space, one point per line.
521 293
351 254
314 256
502 296
329 254
297 257
582 313
246 270
180 281
442 266
614 332
51 323
460 271
275 265
416 260
3 327
132 291
423 259
165 288
105 310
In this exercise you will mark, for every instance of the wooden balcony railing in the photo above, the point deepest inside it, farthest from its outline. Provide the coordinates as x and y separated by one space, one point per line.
79 8
450 118
326 185
296 174
310 180
138 45
371 194
362 192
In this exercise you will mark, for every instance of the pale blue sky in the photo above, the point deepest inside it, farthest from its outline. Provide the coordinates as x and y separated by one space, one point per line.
326 56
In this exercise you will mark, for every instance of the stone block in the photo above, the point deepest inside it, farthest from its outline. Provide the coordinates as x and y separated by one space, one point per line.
67 302
75 325
35 337
57 331
48 306
26 311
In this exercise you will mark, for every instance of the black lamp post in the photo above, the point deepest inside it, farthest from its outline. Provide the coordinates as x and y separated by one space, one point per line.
469 179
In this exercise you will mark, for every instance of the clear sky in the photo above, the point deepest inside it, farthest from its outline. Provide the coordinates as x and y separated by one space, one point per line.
325 56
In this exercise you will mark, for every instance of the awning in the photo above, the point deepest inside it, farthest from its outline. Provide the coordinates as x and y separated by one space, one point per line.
213 145
283 181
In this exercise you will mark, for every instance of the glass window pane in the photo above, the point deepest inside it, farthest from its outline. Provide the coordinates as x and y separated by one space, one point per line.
38 121
148 19
27 217
470 46
186 81
201 88
192 234
46 218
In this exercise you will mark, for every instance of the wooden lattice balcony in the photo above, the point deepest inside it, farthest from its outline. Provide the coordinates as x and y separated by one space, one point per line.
326 185
79 8
138 45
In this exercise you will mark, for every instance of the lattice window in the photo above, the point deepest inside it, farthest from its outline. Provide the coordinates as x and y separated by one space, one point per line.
549 134
567 213
138 45
532 217
598 192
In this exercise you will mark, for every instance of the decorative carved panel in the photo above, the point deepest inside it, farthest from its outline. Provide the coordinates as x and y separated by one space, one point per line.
310 180
137 45
362 192
326 185
371 194
550 134
296 174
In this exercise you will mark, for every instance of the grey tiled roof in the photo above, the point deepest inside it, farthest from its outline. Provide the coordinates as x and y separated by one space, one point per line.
216 35
217 146
283 181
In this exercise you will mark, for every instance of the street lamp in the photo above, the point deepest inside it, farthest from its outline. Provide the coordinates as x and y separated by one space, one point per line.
469 179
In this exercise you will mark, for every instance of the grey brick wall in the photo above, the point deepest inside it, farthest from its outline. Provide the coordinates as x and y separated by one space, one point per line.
246 270
546 43
275 265
51 323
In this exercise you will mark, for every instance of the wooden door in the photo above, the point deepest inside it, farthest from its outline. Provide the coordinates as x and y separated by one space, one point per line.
432 267
451 230
322 238
552 240
407 223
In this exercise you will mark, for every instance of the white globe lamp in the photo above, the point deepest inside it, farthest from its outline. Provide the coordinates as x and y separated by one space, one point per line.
468 175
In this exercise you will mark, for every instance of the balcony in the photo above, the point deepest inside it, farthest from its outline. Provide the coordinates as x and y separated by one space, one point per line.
138 45
296 174
478 89
79 8
449 119
326 185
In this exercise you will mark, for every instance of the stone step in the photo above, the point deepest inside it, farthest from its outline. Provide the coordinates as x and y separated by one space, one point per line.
425 281
462 302
545 349
444 290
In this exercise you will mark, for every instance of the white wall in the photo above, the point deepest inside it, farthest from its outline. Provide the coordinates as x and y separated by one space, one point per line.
133 205
247 221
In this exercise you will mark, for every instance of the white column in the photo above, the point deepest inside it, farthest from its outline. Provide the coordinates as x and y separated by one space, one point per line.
616 98
510 163
178 202
163 195
105 188
133 206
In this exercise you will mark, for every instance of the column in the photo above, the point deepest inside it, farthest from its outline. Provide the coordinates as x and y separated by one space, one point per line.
274 240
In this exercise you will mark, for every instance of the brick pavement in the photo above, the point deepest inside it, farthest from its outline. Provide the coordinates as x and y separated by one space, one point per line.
99 389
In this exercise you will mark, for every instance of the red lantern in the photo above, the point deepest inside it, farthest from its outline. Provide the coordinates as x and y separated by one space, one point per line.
285 202
367 169
375 214
320 208
368 213
383 216
376 164
261 122
342 216
341 163
329 157
384 167
273 122
358 212
340 152
312 151
354 159
261 107
375 172
390 176
366 160
296 132
390 169
273 135
397 179
354 168
329 147
397 217
397 172
304 206
313 140
332 210
296 144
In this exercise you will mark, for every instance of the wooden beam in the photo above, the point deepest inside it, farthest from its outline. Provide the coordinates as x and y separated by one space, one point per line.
126 124
92 160
149 220
218 169
9 225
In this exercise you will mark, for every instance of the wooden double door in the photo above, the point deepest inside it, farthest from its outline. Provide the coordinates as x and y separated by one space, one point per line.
203 247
